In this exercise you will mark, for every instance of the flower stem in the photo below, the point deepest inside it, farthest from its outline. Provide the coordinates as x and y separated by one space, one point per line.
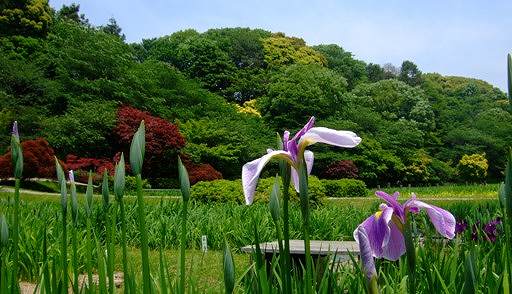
146 278
90 248
304 203
75 259
16 233
285 176
123 244
182 245
64 246
411 255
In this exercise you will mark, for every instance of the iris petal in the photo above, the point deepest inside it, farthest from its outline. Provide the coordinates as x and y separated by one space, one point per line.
366 253
308 158
332 137
304 129
377 226
443 221
393 202
396 244
251 172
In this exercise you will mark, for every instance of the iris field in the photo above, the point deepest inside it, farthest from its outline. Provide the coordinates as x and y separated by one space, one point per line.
76 242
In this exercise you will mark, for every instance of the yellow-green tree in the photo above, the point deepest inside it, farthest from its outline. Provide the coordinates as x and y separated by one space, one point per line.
282 50
25 17
473 167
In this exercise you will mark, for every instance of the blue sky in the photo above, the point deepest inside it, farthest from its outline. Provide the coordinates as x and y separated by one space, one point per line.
464 38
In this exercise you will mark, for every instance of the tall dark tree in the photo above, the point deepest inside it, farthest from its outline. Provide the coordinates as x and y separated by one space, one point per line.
72 13
374 72
113 28
409 73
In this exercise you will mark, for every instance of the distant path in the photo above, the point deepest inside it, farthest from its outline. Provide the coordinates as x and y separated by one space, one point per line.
24 191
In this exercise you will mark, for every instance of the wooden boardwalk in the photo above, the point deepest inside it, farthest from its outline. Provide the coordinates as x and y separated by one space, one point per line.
338 249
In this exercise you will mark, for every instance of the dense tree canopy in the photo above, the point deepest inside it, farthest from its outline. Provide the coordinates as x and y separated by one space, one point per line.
226 91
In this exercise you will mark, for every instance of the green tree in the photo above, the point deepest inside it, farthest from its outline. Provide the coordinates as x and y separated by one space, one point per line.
25 17
243 45
113 28
394 100
281 50
72 13
410 74
301 91
227 143
83 130
374 72
342 62
473 167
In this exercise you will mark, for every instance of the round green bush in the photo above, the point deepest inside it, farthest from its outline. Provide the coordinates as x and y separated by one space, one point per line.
231 191
345 188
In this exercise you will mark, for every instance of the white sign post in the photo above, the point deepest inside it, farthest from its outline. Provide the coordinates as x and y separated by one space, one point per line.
204 243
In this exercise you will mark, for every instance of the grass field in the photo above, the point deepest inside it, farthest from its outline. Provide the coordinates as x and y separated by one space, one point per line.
334 220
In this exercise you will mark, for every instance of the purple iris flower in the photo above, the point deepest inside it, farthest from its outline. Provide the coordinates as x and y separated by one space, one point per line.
15 129
294 151
385 227
491 229
460 227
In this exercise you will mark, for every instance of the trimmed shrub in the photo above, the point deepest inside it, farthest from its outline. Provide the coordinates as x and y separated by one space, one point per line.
345 188
231 191
341 169
131 184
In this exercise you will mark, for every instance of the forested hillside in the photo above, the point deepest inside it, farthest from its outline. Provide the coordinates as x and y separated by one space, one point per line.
218 97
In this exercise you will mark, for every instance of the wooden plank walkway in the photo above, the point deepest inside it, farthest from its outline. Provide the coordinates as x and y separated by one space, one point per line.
319 248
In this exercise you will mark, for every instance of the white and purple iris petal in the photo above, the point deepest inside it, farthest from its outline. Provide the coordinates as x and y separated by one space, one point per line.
365 250
443 221
384 228
294 152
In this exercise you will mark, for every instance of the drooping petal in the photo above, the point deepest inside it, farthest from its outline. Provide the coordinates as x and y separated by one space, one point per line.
377 226
295 179
345 139
366 253
443 220
308 158
304 129
251 172
395 246
393 202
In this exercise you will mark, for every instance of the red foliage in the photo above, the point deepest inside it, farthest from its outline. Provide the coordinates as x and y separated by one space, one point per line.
341 169
161 135
163 141
96 165
38 160
201 172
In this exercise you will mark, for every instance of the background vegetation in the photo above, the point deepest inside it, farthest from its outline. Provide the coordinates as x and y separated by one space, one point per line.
220 96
